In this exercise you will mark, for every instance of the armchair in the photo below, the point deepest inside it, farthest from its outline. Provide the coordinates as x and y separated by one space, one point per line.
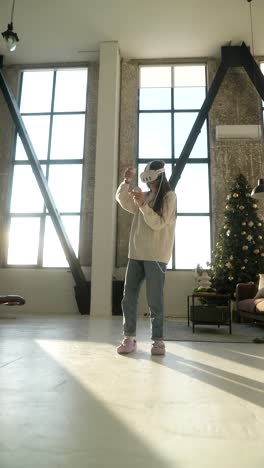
247 305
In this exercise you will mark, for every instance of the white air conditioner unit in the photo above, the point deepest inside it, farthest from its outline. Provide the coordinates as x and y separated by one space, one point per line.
238 132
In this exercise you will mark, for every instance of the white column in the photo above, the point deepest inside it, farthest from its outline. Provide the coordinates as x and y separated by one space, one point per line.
106 166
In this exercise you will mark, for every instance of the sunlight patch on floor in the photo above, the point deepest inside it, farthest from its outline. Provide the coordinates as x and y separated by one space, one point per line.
105 384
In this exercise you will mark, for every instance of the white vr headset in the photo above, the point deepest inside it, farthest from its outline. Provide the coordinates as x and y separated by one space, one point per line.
149 175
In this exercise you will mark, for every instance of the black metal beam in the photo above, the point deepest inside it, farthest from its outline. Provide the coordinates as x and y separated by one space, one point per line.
81 289
232 56
202 115
252 69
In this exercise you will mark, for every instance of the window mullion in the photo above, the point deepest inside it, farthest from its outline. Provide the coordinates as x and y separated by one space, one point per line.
188 87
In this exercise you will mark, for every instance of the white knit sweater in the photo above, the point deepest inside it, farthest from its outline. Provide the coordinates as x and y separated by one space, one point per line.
151 235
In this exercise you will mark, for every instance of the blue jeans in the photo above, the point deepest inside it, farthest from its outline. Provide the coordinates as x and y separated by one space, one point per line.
154 273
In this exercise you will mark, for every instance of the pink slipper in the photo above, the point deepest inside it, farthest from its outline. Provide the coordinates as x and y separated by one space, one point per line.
158 348
128 345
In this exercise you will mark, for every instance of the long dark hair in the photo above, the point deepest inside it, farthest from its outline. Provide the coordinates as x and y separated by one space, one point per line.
163 188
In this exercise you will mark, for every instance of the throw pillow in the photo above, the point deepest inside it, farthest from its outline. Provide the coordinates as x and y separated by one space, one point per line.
261 281
260 293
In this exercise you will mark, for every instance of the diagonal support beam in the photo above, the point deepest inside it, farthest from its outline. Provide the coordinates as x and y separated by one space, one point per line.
82 291
232 56
252 69
200 119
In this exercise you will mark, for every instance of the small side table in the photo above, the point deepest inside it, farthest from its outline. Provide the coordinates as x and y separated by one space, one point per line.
215 311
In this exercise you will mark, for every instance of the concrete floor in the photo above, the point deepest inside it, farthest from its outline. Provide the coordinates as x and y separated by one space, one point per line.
68 400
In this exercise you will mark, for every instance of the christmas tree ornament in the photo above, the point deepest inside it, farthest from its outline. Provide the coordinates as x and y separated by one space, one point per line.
241 207
245 247
235 195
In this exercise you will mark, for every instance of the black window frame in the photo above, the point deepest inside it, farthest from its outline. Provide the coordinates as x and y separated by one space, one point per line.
173 160
48 162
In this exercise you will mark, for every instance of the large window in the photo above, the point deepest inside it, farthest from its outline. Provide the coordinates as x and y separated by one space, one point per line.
53 108
170 98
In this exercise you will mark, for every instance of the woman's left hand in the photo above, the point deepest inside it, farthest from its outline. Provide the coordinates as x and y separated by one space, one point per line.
138 197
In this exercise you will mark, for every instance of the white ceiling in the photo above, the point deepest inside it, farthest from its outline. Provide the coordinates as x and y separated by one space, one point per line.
71 30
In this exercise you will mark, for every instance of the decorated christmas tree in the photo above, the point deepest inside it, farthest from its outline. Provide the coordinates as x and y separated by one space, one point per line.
239 252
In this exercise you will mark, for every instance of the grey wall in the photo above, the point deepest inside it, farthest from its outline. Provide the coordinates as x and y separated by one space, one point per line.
86 226
127 149
6 150
237 102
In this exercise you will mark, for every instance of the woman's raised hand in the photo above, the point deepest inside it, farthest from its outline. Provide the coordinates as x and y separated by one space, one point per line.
129 174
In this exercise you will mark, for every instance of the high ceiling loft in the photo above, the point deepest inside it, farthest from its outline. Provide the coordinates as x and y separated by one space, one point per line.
67 31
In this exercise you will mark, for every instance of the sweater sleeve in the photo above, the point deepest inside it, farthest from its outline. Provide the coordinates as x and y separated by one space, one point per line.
154 220
124 199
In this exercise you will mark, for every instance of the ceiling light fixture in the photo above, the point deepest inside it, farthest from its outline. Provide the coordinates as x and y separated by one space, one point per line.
9 35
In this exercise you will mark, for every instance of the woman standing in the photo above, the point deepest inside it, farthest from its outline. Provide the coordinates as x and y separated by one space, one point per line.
150 248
